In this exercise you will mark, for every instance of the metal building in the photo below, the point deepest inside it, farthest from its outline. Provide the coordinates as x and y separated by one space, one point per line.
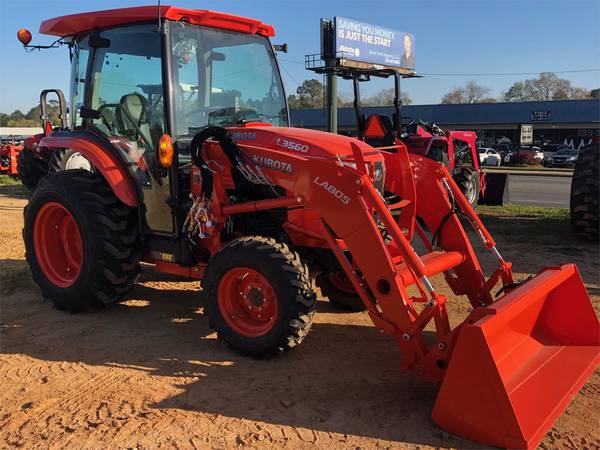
553 121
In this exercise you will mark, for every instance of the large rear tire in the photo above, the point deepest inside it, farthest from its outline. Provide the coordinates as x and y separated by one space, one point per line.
69 159
30 169
340 292
259 297
469 182
82 243
585 213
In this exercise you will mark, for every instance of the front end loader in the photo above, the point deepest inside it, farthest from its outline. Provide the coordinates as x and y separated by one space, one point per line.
194 169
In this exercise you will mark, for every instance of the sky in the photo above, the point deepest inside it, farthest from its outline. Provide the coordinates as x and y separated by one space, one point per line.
469 38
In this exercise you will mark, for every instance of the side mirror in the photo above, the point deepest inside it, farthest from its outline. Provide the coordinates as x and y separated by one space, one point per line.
24 37
281 48
217 56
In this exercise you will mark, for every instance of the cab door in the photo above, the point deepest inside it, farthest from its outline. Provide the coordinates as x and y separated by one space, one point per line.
126 96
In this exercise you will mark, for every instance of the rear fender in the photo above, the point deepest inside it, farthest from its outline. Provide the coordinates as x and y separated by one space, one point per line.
110 165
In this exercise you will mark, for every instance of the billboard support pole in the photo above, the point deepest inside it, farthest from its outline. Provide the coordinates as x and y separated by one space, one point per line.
359 121
332 105
397 105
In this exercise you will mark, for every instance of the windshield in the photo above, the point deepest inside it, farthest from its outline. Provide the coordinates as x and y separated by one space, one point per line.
223 78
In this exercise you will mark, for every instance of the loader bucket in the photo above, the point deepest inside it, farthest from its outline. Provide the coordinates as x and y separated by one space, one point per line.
514 370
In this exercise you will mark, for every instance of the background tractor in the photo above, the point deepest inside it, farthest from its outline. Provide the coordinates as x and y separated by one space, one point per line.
10 147
585 193
193 169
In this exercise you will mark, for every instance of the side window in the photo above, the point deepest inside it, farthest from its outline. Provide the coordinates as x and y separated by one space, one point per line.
78 71
128 89
462 153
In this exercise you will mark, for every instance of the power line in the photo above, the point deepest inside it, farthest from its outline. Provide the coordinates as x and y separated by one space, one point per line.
289 74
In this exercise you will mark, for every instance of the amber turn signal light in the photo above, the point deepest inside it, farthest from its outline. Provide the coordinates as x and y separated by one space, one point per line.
165 150
24 36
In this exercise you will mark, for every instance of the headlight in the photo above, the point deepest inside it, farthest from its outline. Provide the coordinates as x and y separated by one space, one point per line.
572 158
348 164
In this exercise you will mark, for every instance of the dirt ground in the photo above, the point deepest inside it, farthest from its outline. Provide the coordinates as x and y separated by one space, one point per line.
149 373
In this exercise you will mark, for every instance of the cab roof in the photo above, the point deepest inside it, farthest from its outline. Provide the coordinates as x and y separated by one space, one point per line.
74 24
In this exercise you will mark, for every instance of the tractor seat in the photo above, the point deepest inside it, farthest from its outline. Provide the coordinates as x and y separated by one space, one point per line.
132 118
435 262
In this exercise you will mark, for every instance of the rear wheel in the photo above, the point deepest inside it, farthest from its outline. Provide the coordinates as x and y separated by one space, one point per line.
69 159
339 290
469 182
259 297
30 169
585 212
82 243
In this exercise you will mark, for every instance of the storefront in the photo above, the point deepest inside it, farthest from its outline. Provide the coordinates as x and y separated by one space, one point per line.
573 122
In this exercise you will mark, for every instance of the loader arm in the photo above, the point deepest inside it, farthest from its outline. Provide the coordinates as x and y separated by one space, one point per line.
499 367
352 214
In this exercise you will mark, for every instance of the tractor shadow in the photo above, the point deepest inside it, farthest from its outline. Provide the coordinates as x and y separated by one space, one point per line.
345 378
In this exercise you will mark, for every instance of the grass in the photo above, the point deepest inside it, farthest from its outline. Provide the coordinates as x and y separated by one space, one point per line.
530 212
538 226
532 168
7 180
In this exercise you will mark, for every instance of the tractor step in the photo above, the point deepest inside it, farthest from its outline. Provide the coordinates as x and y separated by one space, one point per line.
435 262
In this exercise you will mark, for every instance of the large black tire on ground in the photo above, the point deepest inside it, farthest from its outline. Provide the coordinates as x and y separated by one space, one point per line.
109 234
345 299
31 169
469 182
292 285
585 192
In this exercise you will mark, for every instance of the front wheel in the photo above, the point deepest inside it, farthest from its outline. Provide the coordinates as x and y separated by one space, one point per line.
259 297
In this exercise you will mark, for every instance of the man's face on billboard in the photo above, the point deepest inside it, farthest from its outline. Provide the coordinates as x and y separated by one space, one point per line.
407 43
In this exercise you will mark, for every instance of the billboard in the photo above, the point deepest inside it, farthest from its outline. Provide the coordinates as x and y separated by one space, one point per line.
364 42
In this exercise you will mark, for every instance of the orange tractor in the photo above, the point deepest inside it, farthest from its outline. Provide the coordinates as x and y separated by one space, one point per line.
192 168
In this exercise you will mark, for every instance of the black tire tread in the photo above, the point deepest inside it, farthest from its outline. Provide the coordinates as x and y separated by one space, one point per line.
585 191
116 248
59 158
291 272
30 169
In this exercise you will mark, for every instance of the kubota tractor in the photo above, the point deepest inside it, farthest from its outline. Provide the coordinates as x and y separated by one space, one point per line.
195 171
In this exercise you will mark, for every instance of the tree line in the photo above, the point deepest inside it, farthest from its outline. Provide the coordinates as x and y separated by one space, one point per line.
32 117
311 94
547 86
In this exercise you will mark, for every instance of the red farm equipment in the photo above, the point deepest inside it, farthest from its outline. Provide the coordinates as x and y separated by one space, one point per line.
457 150
10 147
193 169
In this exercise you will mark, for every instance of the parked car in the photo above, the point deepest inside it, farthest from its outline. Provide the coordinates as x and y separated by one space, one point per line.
503 140
562 158
526 154
489 157
550 149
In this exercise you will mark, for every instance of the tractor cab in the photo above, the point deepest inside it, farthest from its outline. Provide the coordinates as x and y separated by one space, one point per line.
135 79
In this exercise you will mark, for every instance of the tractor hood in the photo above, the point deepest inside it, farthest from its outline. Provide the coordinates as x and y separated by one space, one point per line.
302 141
